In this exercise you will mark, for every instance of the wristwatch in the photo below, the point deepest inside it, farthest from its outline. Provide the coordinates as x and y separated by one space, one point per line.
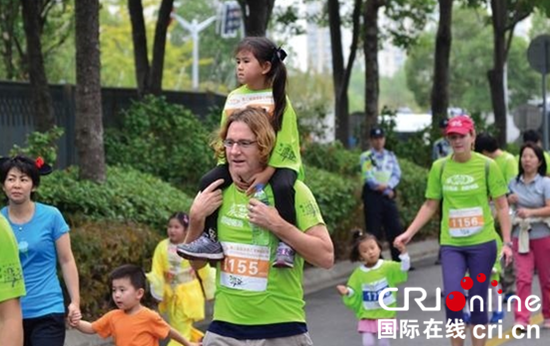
509 244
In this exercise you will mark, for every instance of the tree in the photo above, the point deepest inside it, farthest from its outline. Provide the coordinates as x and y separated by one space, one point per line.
370 49
505 15
341 74
407 18
89 125
256 15
55 27
470 56
42 101
149 77
10 14
440 89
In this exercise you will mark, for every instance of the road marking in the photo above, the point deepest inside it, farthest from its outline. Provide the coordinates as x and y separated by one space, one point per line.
508 336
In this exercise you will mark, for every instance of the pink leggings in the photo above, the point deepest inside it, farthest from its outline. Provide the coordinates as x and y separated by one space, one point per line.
538 257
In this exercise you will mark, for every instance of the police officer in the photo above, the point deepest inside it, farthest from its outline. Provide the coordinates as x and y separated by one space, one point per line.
381 174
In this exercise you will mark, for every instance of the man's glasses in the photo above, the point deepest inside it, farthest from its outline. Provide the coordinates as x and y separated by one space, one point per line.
243 143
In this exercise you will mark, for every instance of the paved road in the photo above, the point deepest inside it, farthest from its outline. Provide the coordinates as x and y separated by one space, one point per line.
331 323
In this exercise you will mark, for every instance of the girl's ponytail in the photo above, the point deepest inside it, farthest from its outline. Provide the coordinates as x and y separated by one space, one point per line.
279 77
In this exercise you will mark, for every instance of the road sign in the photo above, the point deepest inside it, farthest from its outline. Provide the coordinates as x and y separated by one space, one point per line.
527 117
538 54
231 19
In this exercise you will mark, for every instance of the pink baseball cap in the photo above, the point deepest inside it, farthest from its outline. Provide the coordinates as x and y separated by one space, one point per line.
461 124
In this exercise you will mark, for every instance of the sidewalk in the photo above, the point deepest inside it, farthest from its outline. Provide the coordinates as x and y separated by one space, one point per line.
314 279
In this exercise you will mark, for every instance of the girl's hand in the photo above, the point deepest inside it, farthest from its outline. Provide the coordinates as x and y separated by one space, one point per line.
524 213
168 276
260 178
401 247
343 290
241 184
74 316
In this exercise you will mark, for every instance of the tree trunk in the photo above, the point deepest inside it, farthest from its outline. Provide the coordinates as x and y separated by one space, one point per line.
139 39
340 103
89 123
159 45
42 102
440 88
8 16
370 48
341 74
256 15
496 74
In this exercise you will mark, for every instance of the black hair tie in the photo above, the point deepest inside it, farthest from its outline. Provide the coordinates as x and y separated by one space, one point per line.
279 54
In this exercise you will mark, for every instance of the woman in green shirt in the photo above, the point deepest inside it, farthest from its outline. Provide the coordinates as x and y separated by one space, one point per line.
464 182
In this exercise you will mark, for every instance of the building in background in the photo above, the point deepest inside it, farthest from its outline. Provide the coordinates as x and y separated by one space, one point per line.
319 54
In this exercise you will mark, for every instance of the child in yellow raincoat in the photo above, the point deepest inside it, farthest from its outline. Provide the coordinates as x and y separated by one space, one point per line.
176 285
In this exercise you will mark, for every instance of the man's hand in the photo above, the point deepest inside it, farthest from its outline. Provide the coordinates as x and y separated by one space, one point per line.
262 215
207 200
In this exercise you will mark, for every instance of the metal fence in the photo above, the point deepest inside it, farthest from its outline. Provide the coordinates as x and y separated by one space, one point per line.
16 112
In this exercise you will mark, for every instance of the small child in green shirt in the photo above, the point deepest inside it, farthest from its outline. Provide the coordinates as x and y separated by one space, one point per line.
361 294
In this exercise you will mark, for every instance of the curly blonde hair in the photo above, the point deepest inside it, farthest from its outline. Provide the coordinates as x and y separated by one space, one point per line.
258 121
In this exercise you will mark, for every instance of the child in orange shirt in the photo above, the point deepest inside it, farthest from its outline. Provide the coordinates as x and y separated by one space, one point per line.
131 323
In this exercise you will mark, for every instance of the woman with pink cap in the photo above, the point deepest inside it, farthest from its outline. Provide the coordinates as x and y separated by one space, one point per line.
464 182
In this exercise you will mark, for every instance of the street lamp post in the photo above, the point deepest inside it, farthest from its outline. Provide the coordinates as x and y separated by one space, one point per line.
194 28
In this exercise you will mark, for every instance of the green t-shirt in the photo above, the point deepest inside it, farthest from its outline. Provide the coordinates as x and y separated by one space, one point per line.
367 283
11 275
286 153
508 166
248 290
465 188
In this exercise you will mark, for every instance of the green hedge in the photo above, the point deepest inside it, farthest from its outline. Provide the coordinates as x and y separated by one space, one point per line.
410 196
163 139
127 195
100 247
337 197
345 164
332 157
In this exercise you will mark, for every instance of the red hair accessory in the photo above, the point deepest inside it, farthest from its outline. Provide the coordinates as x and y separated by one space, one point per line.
39 162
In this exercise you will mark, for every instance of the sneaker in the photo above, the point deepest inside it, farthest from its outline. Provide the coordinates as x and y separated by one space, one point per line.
466 317
546 323
497 317
520 328
507 296
284 257
201 248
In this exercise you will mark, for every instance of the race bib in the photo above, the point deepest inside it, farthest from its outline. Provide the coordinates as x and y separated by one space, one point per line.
371 295
245 267
465 222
